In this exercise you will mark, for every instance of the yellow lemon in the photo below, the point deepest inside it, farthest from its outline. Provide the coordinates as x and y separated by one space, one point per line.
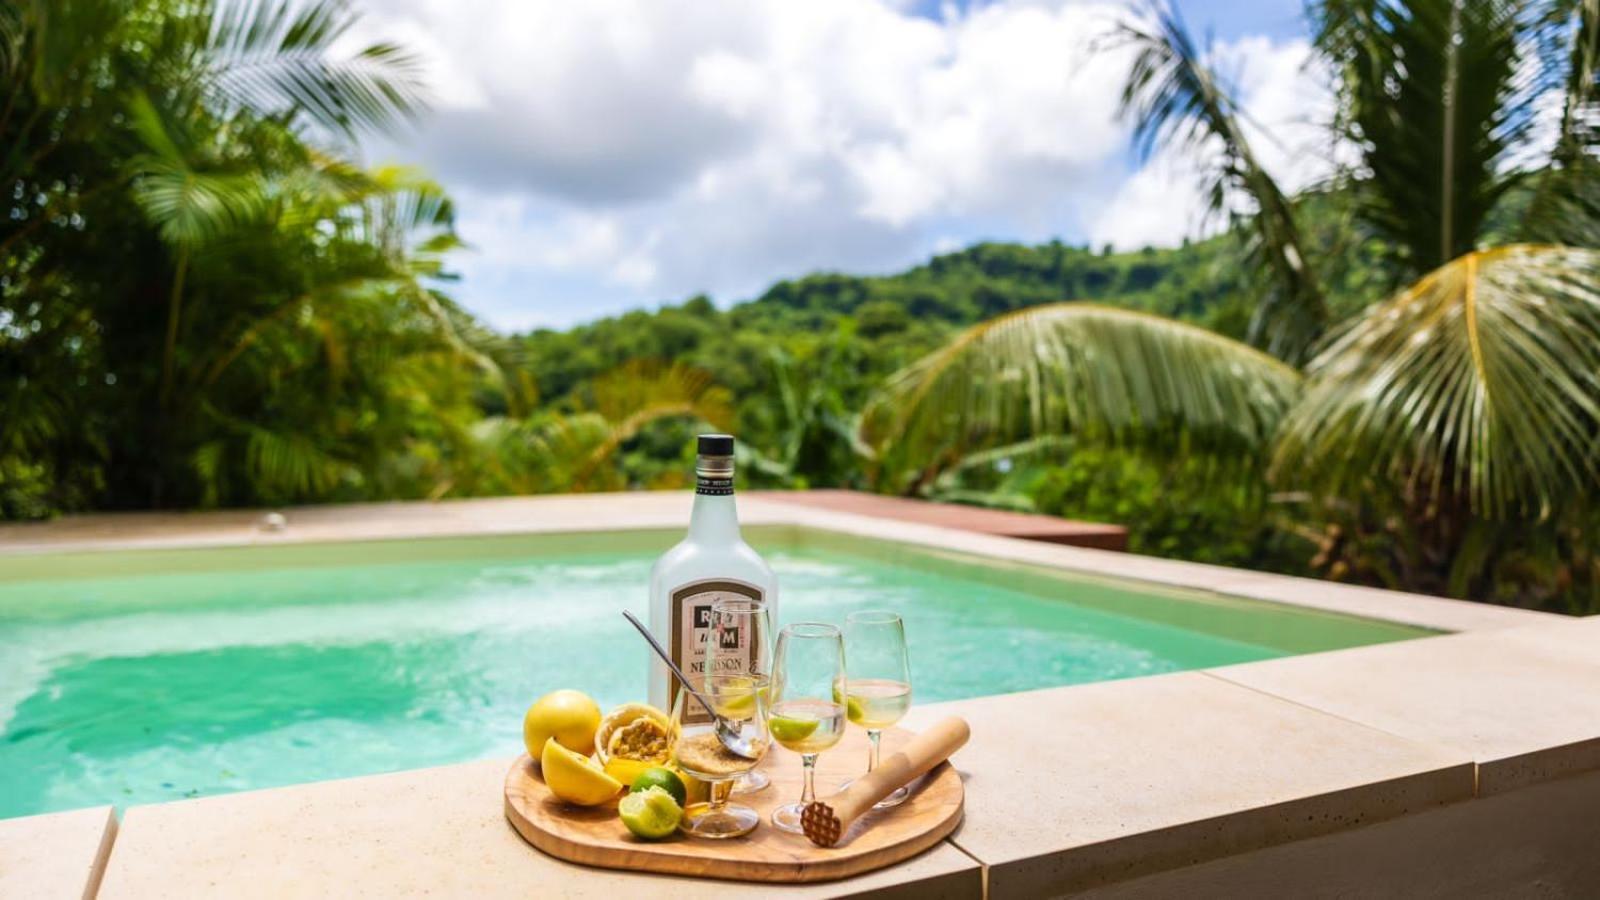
626 770
570 717
574 777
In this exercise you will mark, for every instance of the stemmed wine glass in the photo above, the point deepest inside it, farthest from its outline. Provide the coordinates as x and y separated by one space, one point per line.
806 716
879 689
700 752
741 645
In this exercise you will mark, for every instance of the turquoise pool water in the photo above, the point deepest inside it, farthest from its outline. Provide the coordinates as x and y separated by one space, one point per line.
141 677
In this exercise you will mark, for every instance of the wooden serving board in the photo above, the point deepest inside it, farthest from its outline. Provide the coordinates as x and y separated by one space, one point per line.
595 836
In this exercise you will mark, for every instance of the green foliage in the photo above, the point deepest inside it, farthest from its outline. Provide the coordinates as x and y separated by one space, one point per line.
1174 98
578 450
198 303
804 357
1184 508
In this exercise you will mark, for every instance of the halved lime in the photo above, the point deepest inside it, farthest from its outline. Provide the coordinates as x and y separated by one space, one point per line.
651 814
663 778
788 730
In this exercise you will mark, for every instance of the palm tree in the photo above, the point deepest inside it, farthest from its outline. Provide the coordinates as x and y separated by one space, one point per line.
1176 100
226 309
1456 418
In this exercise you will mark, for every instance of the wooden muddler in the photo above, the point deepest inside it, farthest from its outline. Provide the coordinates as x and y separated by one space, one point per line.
826 820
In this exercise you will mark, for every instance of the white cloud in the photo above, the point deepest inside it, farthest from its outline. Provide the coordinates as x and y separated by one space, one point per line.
614 153
1287 108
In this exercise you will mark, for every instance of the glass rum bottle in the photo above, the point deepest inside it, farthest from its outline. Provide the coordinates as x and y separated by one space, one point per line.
710 563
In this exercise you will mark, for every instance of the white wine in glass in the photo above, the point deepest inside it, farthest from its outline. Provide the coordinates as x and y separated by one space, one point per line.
805 715
877 703
807 726
878 692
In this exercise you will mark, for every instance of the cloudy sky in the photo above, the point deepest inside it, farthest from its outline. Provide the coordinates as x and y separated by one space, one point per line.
615 154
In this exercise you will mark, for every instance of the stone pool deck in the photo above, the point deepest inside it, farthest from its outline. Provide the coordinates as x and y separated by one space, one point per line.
1466 764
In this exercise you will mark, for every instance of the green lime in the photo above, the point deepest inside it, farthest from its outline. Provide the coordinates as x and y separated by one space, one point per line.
852 706
664 778
651 814
788 730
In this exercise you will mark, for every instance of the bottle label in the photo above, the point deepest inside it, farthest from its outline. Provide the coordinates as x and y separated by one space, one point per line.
691 631
713 485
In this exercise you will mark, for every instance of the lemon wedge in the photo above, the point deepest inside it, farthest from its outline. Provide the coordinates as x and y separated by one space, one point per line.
626 770
574 777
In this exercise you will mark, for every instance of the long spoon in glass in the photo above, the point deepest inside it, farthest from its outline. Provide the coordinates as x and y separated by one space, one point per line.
741 646
728 733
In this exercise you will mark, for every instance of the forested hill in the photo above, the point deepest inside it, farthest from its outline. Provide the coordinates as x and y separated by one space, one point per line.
894 318
988 279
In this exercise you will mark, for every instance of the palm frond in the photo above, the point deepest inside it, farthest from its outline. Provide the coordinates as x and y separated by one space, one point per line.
12 32
189 205
1046 445
278 58
210 470
1176 100
289 465
1480 381
1566 204
575 449
568 451
642 390
409 216
1096 372
1431 94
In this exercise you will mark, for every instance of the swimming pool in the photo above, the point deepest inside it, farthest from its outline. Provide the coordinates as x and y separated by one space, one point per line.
142 676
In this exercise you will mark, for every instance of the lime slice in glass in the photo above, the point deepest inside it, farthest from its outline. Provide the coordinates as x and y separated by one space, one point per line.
852 705
733 698
789 730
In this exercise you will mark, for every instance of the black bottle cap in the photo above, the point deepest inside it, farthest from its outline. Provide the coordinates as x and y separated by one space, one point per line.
716 445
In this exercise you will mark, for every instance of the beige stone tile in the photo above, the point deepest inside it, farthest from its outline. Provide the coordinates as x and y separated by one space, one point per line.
1537 842
58 855
1572 638
1439 613
1072 787
438 832
1522 703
